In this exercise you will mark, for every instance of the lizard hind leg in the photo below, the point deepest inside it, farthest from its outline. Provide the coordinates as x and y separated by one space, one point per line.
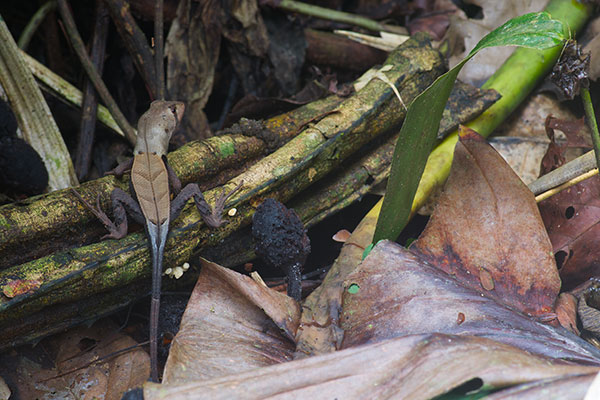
120 201
212 217
122 204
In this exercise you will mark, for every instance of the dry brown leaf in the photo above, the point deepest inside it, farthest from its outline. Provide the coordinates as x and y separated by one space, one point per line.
231 324
566 312
487 232
411 367
395 293
74 372
523 154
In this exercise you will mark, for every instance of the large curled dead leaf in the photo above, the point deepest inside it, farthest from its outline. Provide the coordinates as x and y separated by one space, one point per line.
396 292
487 231
407 329
231 324
411 367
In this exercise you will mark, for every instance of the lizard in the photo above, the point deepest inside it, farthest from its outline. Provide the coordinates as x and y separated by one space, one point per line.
152 180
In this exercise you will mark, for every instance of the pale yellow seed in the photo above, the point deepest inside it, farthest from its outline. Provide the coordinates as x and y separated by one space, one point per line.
178 272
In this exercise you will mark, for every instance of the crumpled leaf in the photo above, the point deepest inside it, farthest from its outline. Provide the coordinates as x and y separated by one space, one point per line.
410 368
571 216
72 372
555 154
487 231
231 324
399 293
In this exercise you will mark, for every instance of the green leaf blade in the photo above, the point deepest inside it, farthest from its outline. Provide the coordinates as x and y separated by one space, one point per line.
535 30
419 130
411 152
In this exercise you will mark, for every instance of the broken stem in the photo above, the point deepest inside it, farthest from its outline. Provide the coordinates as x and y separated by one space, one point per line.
338 16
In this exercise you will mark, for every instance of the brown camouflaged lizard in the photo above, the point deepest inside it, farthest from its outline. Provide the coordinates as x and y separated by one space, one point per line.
152 180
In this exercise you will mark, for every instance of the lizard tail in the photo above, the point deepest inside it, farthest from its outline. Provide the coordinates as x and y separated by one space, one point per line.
158 238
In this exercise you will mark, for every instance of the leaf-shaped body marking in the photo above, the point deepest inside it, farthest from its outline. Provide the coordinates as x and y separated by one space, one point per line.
151 185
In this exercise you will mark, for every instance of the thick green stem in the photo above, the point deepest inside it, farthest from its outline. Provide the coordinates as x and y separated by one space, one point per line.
514 80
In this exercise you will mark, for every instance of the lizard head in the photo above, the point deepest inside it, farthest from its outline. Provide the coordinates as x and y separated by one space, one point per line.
156 126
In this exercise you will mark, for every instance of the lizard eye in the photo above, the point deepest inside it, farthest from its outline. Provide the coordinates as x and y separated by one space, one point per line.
174 110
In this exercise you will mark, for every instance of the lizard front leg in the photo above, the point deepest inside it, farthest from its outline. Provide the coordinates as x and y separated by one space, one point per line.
174 182
121 202
212 217
121 169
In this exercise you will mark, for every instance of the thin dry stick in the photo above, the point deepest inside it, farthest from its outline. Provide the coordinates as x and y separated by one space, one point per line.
158 49
83 155
135 42
566 185
93 75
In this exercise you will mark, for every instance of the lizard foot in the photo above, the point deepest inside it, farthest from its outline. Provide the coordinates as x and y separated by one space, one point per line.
114 231
215 218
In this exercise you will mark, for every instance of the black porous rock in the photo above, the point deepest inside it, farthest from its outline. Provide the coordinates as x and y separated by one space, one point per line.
280 240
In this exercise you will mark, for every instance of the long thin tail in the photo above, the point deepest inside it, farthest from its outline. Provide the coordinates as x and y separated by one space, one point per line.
158 238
